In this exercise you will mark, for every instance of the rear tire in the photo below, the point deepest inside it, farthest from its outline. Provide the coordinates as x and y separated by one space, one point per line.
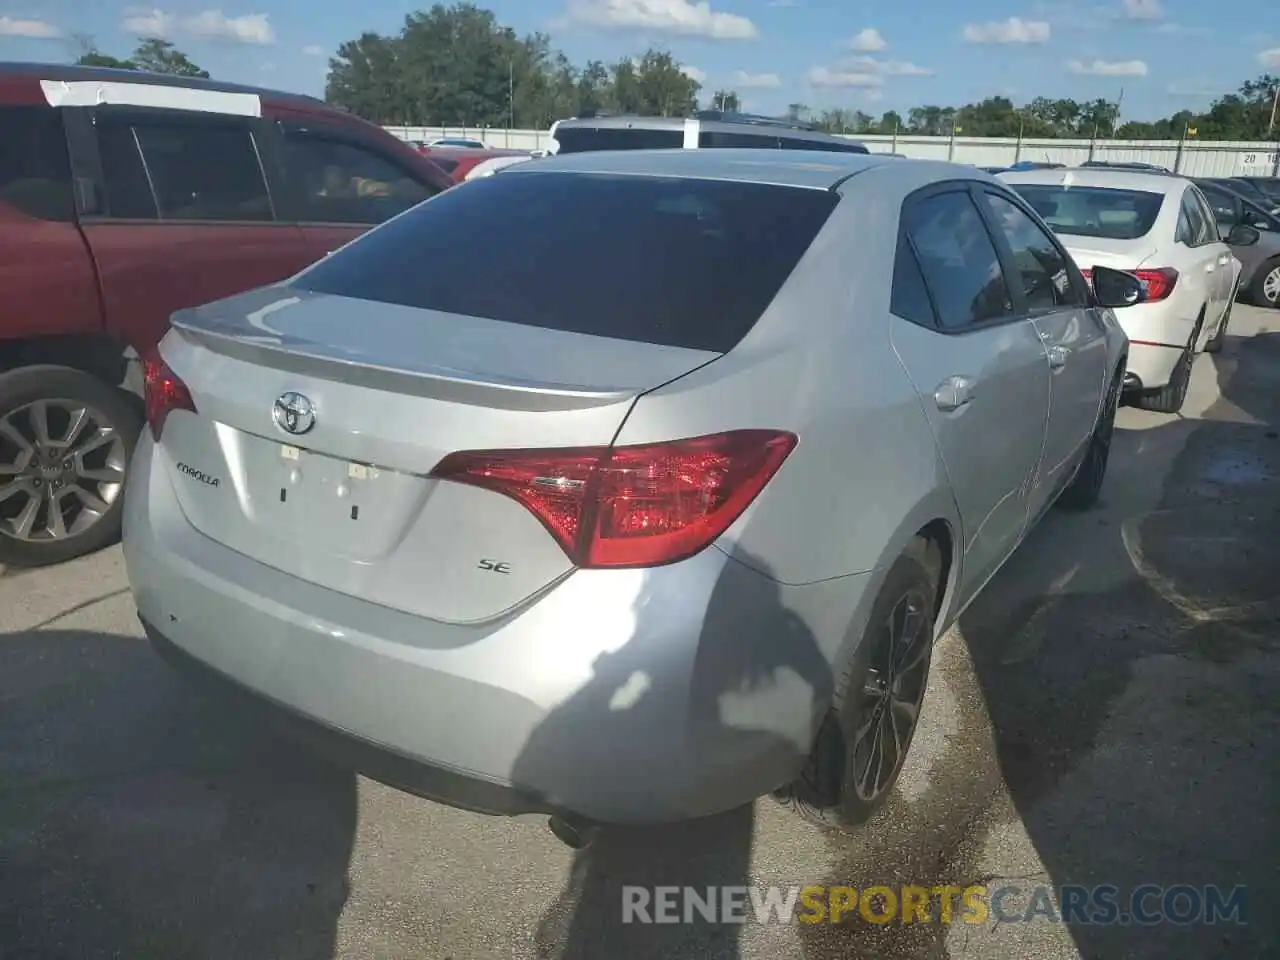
83 478
1265 289
1171 397
877 707
1085 489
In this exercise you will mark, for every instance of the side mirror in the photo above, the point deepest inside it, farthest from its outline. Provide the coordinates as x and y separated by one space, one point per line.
1116 288
1242 236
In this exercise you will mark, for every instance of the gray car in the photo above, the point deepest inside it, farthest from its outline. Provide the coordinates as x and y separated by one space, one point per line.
625 487
1260 273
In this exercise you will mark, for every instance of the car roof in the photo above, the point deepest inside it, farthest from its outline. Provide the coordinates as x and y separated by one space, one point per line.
71 73
814 169
1115 177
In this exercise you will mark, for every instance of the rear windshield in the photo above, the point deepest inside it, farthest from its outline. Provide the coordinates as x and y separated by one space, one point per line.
679 262
583 139
1093 211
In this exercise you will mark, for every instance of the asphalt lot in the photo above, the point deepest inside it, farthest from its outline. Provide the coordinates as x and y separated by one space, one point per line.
1108 712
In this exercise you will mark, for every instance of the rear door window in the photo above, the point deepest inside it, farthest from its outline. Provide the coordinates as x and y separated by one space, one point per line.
585 139
680 262
345 182
35 174
958 259
183 168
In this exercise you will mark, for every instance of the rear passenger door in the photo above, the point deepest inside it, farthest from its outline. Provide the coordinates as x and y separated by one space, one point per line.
181 214
979 366
1057 302
1203 257
341 184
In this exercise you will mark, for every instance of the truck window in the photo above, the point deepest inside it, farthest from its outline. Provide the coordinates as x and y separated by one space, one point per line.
35 172
185 169
343 182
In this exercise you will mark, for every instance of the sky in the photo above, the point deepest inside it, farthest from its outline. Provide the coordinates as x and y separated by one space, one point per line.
1165 55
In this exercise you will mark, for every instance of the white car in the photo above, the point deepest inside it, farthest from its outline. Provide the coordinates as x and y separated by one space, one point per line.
487 168
1161 228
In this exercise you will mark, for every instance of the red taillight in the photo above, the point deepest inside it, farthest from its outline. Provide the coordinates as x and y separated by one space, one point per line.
1158 283
164 391
637 506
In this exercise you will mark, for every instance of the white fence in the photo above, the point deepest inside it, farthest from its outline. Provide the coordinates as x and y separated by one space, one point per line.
1194 158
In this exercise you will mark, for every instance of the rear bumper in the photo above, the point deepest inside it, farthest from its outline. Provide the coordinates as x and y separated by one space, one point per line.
631 696
1158 333
450 787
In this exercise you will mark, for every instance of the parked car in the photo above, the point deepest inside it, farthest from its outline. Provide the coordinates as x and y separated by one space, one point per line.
1269 186
1036 165
993 170
1245 189
1160 227
709 129
1124 165
1260 273
462 143
239 187
487 168
522 544
458 162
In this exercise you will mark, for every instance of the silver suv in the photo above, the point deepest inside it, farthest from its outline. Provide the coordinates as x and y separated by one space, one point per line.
710 128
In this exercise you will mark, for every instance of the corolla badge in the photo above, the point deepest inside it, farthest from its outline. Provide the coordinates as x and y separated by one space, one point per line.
293 413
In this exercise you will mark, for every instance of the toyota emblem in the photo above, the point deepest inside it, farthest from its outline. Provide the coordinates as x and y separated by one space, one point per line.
293 413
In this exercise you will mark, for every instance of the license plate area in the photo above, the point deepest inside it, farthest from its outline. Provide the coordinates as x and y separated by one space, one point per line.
340 506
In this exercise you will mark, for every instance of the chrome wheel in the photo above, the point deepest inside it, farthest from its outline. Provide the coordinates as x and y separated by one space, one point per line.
1271 287
62 466
891 697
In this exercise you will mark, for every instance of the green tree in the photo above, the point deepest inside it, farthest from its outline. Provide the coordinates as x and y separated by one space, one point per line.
160 56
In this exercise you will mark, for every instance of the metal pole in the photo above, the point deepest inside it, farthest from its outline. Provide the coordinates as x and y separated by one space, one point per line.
1177 159
894 146
951 144
1017 150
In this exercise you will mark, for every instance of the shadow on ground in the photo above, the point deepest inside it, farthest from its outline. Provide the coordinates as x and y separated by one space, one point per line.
135 821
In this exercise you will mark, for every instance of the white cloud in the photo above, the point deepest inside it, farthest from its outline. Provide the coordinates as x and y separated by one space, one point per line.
1178 29
822 77
30 29
873 96
890 68
783 3
1013 30
756 81
683 17
868 40
313 50
1270 58
1143 9
1109 68
254 28
694 74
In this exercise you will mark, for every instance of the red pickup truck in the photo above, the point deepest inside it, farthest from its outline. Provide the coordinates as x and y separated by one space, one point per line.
125 196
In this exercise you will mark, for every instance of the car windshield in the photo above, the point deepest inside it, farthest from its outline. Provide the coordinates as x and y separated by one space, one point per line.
688 263
1094 211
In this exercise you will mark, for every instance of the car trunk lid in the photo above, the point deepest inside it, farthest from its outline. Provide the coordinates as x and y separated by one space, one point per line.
345 500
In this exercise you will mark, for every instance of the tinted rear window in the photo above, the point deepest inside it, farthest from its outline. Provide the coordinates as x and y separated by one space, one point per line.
444 163
679 262
1093 211
583 139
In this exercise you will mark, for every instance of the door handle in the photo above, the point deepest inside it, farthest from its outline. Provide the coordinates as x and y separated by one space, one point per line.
953 393
1058 355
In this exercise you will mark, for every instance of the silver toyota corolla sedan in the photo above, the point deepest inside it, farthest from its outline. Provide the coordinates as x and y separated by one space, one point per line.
624 487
